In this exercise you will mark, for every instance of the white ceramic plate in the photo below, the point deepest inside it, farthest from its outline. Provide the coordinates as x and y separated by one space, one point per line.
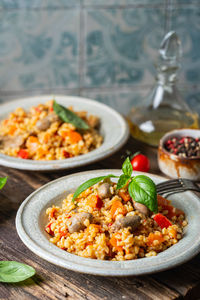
113 128
31 220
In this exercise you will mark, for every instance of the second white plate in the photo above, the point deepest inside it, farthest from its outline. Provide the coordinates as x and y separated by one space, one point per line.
114 129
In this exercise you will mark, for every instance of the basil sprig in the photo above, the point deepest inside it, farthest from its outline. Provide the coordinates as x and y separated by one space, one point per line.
141 188
3 181
13 271
90 183
68 116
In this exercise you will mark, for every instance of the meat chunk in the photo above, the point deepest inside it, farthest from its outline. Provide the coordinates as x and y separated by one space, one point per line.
45 123
77 221
128 221
104 190
11 142
141 208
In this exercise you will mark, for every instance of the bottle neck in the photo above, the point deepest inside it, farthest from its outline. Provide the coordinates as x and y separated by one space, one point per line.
167 75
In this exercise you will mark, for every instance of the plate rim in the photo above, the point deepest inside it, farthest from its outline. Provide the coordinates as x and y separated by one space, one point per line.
46 255
64 164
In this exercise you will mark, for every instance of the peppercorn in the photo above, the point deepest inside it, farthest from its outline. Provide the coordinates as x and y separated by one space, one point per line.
183 146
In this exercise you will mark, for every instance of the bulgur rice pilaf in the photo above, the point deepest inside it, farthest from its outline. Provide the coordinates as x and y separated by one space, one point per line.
39 134
106 223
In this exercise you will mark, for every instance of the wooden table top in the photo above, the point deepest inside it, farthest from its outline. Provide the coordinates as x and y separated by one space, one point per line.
52 282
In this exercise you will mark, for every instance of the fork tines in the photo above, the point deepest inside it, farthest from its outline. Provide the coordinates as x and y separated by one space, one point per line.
176 185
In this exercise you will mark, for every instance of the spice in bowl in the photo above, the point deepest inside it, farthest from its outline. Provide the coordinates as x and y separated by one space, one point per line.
179 154
183 146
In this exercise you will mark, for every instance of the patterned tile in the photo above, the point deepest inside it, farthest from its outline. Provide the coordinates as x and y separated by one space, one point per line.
32 4
192 96
123 101
121 45
120 101
121 2
188 2
189 32
9 96
39 49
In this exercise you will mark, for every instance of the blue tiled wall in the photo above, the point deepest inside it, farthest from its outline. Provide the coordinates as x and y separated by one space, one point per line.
103 49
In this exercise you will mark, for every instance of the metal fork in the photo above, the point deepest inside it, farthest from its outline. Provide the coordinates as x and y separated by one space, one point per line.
179 185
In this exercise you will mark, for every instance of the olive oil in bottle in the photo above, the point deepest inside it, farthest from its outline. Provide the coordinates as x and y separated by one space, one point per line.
164 109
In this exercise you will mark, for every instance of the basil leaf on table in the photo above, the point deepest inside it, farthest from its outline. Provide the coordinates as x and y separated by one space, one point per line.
123 179
143 190
3 181
84 186
69 116
127 167
13 271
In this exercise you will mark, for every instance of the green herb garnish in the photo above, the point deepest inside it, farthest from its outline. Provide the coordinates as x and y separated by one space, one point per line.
90 183
141 188
3 181
66 115
13 271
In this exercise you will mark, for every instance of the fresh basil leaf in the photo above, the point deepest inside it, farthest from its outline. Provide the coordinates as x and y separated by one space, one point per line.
3 181
143 190
84 186
127 167
69 116
123 179
13 271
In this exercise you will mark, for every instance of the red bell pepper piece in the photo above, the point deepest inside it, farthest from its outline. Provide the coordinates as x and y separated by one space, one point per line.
48 229
162 221
99 203
66 154
23 153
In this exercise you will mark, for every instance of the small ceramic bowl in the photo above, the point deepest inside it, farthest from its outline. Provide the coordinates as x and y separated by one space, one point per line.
174 166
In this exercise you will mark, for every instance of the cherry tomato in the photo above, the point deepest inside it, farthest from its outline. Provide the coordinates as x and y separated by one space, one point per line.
140 163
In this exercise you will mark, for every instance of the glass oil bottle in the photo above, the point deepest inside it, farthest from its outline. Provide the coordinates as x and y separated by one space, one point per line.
164 109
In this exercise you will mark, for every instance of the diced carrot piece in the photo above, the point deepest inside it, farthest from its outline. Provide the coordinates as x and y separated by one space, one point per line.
85 193
23 154
154 237
114 240
51 105
5 122
41 152
117 206
12 129
33 139
94 201
37 109
32 143
162 221
64 133
172 232
74 137
125 196
95 227
46 137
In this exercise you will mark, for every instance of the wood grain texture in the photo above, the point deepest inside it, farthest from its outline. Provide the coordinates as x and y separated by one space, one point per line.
52 282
